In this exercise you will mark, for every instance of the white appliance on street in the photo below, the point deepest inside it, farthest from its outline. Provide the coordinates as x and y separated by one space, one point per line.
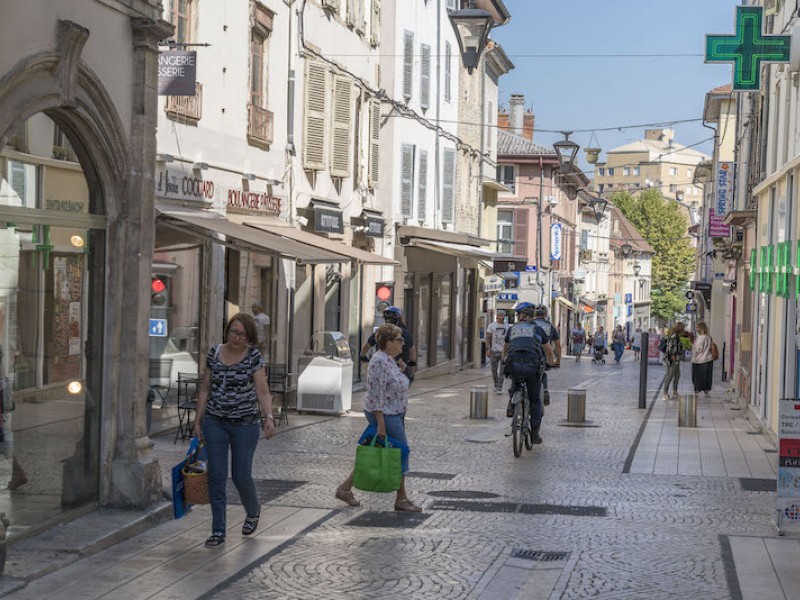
325 380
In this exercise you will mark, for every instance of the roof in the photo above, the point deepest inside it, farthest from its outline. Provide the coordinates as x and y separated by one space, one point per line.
512 144
630 234
661 151
722 89
714 100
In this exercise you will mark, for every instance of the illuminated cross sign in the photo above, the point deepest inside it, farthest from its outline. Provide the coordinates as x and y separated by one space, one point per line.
748 49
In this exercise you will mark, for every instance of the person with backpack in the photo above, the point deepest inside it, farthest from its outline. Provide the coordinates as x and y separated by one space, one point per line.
578 341
551 331
673 353
526 352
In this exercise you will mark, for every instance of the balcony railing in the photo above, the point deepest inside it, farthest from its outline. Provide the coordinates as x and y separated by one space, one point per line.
187 109
260 126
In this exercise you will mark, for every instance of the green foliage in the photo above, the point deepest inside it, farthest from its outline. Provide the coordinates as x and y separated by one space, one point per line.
663 224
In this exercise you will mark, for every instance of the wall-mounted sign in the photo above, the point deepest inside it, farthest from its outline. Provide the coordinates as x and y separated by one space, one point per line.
716 226
788 500
328 220
183 184
374 227
628 298
691 307
177 71
507 265
555 241
748 49
723 200
260 202
507 296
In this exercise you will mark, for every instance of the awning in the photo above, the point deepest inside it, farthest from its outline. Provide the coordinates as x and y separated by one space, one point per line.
324 243
495 185
454 249
740 217
246 238
568 304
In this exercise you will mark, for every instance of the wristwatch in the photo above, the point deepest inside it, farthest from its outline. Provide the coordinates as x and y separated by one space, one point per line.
411 363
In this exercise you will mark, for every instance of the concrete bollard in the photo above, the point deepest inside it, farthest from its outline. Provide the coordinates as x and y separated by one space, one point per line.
3 532
687 410
576 406
479 402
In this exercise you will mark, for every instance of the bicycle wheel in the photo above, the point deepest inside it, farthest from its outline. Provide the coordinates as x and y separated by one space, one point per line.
516 425
526 427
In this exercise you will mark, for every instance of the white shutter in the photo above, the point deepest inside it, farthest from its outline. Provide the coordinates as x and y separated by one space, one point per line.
374 141
375 23
314 128
332 4
407 180
422 186
448 185
448 53
352 12
408 64
361 16
425 78
342 114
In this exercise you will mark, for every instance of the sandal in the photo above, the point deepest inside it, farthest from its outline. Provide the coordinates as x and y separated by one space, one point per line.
405 505
250 524
215 540
346 496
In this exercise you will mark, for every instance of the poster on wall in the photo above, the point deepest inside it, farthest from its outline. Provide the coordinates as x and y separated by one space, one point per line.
63 331
74 328
653 354
788 500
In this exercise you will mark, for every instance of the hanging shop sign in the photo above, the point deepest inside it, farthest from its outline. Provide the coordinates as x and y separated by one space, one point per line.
177 73
509 265
328 220
723 201
788 497
374 227
555 241
748 49
716 226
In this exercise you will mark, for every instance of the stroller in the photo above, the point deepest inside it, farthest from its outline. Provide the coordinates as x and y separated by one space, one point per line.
599 355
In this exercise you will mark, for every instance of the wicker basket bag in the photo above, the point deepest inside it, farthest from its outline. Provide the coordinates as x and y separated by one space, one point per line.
195 480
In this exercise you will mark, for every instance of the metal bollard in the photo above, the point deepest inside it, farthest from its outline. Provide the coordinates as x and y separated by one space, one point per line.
687 410
576 406
479 402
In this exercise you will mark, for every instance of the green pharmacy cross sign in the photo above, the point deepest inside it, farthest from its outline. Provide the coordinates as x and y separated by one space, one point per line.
748 49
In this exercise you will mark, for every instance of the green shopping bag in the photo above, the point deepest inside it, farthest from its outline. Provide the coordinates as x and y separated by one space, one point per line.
378 468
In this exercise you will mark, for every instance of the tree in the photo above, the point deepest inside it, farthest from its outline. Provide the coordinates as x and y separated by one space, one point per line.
662 223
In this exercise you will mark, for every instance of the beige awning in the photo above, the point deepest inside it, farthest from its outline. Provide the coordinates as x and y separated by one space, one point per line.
492 184
568 304
317 241
454 249
243 237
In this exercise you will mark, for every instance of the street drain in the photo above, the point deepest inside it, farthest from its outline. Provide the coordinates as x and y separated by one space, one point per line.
422 475
267 490
490 507
396 520
561 509
758 485
539 555
463 494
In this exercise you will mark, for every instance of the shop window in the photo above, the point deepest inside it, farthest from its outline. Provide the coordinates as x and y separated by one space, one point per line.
444 325
422 340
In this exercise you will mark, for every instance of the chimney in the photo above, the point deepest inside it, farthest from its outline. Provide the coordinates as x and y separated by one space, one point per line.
527 125
517 103
502 119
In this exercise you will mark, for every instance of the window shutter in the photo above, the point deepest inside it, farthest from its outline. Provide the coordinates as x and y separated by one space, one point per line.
314 130
448 52
408 65
425 78
521 232
361 17
407 180
374 141
449 185
332 4
375 23
352 17
422 189
342 116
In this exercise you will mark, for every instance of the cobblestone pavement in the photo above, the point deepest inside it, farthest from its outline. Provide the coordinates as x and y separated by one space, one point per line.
621 535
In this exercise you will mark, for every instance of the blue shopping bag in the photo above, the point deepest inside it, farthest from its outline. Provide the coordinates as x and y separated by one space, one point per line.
179 504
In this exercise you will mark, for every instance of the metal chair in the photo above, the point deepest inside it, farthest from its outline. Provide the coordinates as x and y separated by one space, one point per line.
161 377
278 381
187 405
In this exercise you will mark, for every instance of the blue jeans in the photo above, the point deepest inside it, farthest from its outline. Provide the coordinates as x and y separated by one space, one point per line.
395 428
242 439
619 349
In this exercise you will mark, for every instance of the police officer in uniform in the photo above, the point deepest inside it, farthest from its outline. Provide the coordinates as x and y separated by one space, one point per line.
527 350
551 331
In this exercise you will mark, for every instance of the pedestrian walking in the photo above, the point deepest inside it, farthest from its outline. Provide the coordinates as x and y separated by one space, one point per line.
702 360
578 334
599 345
618 343
233 388
262 329
495 339
636 344
384 406
673 354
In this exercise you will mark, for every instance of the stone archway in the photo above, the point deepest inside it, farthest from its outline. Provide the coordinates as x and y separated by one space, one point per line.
118 164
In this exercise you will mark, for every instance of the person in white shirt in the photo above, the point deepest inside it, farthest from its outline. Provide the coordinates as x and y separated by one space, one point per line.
262 329
495 339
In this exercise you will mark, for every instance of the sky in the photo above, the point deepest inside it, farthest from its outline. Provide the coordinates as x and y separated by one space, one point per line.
591 93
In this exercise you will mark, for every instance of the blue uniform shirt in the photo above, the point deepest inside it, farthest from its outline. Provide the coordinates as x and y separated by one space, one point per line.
525 339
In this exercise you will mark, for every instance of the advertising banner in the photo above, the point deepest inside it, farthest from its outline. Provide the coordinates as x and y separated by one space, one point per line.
716 228
723 201
788 500
653 354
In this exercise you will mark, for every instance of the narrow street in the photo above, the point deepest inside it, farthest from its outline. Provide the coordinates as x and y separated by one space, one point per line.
580 516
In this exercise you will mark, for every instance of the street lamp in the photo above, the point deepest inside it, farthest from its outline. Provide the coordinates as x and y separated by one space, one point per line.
637 268
566 150
598 204
626 249
472 27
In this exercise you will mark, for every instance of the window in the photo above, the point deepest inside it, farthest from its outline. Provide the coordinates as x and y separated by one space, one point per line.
636 171
689 173
673 188
610 186
448 58
611 171
422 186
180 15
601 187
448 185
407 180
425 77
505 231
257 76
374 141
673 171
584 243
375 23
452 4
506 176
626 171
408 64
601 171
314 131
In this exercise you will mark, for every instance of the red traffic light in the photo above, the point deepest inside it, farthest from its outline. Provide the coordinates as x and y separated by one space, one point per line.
384 292
157 286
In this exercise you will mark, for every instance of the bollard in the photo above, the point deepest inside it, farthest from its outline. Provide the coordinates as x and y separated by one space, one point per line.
687 410
4 523
643 359
576 406
479 402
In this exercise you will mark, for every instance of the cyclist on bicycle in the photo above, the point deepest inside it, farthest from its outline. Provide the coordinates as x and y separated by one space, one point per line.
551 331
526 351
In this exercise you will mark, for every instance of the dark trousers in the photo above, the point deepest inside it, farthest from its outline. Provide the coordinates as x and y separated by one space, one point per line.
530 373
242 439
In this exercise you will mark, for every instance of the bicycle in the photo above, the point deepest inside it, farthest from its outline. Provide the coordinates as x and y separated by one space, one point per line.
521 421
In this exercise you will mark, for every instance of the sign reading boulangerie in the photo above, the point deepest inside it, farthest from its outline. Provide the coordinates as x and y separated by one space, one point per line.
177 72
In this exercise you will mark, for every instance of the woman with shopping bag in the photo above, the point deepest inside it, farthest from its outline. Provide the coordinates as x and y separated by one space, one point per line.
384 406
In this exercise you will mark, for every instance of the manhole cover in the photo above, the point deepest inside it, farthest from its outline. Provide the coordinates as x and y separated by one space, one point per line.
539 555
393 519
559 509
463 494
421 475
758 485
267 490
491 507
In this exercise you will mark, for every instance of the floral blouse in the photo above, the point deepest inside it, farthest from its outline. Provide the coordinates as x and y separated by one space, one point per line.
387 387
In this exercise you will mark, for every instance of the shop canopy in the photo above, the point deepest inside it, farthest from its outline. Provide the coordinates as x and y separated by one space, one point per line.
455 249
209 225
568 304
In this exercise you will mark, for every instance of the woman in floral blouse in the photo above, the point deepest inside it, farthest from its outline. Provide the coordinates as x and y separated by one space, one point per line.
384 406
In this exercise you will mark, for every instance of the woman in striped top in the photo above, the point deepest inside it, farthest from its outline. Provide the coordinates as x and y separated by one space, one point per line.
234 385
